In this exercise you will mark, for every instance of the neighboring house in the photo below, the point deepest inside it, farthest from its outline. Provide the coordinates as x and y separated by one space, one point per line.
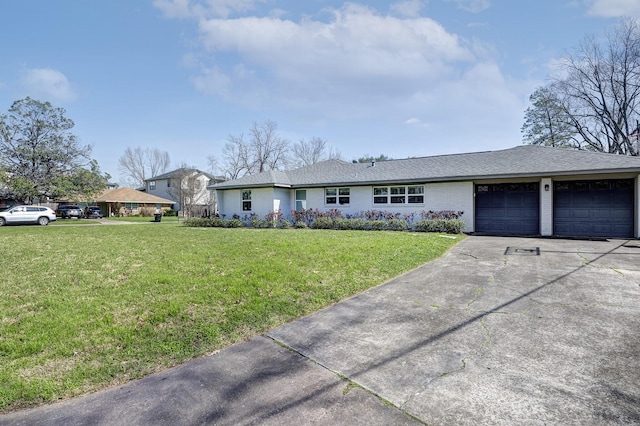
127 202
187 188
526 190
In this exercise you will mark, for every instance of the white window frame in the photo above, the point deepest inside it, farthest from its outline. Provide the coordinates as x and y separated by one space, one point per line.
337 196
152 185
246 200
302 201
394 195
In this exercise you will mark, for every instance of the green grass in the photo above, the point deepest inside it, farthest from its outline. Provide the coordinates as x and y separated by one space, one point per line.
87 307
141 219
65 222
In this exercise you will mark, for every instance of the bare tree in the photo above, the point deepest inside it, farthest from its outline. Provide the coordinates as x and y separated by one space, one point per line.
159 162
598 89
265 150
268 150
212 164
236 157
313 151
138 164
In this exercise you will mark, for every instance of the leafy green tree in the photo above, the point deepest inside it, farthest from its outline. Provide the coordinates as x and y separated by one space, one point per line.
369 158
545 121
40 156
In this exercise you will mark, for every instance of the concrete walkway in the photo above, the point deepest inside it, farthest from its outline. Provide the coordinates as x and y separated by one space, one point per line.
498 331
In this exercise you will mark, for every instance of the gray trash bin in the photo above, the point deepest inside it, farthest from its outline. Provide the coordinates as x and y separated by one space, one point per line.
157 217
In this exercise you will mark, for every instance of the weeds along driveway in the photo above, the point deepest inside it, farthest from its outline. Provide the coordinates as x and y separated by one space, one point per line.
498 331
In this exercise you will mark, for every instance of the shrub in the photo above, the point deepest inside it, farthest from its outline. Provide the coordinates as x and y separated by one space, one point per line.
301 225
197 222
450 226
442 214
170 212
232 223
397 225
323 223
213 222
285 224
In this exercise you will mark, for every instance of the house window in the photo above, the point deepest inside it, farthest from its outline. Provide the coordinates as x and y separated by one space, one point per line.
152 185
339 196
413 194
131 206
246 200
301 199
398 194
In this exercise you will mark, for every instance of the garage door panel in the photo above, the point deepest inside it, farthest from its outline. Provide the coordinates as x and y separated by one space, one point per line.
618 199
599 208
507 208
602 214
563 213
563 229
620 215
581 213
622 229
601 227
492 213
532 214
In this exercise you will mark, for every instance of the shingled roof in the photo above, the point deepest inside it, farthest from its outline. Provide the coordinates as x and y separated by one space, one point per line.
128 195
181 172
521 161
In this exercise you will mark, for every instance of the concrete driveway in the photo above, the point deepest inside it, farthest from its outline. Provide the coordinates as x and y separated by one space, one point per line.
497 331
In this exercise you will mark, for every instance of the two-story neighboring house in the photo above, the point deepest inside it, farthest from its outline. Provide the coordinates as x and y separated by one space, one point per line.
188 188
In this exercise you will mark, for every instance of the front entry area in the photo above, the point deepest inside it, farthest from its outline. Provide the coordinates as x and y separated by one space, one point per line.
595 208
508 208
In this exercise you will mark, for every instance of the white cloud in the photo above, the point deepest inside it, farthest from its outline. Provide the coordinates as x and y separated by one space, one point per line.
416 122
355 63
210 8
48 84
409 8
472 6
614 8
356 54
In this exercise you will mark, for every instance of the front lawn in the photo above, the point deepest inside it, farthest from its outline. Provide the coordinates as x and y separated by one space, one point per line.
87 307
143 219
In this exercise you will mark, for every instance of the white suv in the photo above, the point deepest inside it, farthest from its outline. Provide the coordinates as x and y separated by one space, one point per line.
27 214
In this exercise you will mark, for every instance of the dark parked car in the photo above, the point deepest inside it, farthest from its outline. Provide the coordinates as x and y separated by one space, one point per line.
92 212
67 211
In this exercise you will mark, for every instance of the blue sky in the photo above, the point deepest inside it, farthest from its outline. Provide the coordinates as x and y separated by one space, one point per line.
406 78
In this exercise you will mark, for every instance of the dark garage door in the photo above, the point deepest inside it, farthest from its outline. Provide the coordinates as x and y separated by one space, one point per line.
597 208
508 208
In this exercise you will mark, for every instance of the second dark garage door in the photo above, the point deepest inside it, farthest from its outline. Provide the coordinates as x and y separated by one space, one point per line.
596 208
508 208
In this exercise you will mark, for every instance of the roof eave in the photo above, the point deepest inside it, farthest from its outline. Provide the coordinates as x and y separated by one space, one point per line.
471 177
258 185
